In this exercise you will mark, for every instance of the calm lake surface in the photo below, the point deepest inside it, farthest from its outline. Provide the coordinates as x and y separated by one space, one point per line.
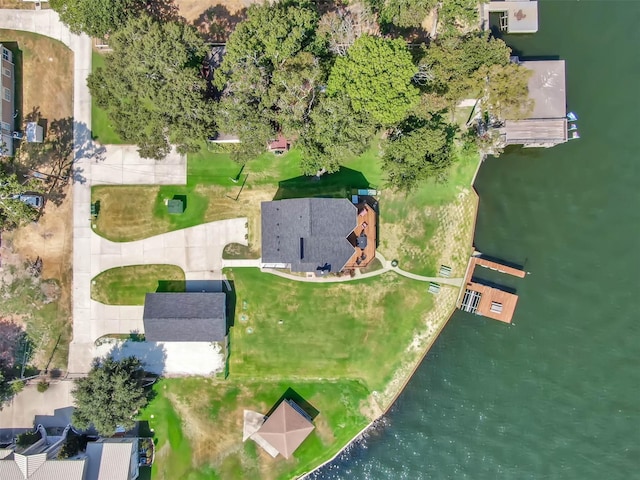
557 394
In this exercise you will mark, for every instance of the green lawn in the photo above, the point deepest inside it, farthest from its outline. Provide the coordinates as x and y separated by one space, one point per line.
341 330
408 221
211 194
129 285
101 128
197 425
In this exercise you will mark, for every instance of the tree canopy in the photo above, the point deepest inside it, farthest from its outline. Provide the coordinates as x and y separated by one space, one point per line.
405 13
452 63
335 134
152 89
14 212
376 75
271 34
416 151
506 91
269 74
109 396
99 18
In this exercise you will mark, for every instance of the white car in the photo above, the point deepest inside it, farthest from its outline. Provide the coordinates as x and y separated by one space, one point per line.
33 199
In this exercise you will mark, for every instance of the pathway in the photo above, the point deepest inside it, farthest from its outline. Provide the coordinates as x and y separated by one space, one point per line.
386 267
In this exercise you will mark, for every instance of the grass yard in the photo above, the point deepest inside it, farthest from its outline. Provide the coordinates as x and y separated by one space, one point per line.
36 98
433 224
212 195
197 424
129 285
101 128
354 330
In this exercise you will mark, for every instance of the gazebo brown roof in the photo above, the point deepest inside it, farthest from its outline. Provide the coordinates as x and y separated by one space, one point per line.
286 428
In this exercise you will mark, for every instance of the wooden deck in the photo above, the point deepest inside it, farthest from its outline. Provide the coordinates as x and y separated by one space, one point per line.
499 267
488 301
367 224
493 303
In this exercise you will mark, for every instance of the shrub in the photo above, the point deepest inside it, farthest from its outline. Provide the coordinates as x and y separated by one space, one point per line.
43 386
72 445
27 439
17 387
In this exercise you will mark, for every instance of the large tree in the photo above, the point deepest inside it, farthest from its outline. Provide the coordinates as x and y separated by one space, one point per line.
152 88
405 13
269 75
462 12
376 75
271 34
416 151
506 92
14 212
110 396
334 134
99 18
451 64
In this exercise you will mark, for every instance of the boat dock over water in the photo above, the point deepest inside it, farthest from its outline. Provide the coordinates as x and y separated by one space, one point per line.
484 300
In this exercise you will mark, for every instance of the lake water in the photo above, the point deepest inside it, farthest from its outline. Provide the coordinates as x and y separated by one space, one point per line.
557 394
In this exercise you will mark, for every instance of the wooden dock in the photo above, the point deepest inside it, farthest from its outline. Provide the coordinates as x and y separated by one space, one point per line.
499 267
487 301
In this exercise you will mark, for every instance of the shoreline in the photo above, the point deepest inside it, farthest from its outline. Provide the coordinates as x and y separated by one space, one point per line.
426 350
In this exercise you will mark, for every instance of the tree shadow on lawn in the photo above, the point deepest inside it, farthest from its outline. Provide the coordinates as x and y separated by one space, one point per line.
332 185
291 394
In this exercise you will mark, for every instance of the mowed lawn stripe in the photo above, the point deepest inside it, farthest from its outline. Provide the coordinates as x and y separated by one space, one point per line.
353 330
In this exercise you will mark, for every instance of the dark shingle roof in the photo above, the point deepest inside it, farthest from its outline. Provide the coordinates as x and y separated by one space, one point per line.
185 317
308 233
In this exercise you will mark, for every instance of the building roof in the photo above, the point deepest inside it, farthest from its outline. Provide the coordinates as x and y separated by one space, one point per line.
309 234
111 459
542 131
286 428
522 15
280 143
185 317
36 467
547 88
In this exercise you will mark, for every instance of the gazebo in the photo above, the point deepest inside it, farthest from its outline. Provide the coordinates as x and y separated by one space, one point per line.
285 429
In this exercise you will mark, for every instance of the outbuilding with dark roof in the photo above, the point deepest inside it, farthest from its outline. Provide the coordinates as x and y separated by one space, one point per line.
185 317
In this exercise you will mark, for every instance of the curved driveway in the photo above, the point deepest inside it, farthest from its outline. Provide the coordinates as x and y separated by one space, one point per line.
197 250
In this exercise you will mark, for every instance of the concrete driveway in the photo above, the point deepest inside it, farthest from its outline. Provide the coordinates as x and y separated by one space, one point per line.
122 164
28 408
197 250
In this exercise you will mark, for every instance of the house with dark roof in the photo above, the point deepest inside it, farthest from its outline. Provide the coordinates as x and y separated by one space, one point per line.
185 317
317 234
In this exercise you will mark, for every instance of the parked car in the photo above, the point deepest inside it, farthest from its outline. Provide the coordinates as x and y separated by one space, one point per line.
33 199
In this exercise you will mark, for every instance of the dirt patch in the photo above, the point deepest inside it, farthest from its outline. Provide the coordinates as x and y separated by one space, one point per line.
45 299
214 19
50 238
21 4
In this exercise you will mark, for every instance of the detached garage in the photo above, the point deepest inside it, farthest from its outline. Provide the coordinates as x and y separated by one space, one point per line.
185 317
